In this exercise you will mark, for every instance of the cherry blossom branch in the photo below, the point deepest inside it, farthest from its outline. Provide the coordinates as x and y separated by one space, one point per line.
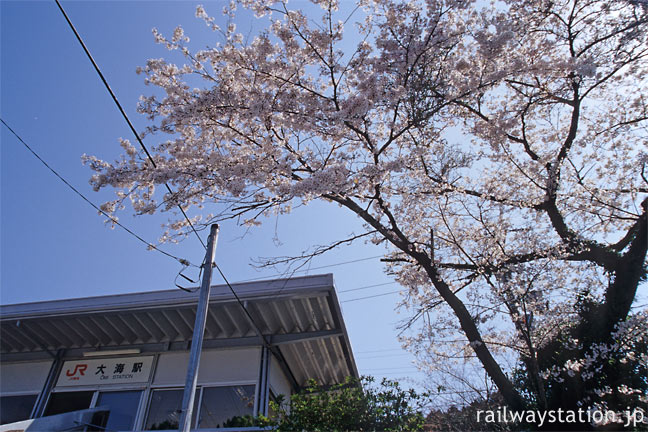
307 256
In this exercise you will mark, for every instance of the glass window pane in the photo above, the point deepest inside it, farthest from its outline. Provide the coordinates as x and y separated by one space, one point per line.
123 408
230 406
16 408
68 401
164 409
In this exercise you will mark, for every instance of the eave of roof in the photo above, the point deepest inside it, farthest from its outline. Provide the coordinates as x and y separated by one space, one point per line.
300 315
272 288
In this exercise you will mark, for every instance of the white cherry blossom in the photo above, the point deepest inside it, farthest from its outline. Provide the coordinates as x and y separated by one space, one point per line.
501 152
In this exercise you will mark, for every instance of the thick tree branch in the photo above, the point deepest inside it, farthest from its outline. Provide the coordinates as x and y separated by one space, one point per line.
467 322
631 269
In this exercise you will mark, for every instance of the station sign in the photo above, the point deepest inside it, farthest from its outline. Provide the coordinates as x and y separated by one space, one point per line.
105 371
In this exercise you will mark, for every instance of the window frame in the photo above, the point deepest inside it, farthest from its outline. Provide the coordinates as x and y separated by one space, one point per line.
149 398
238 384
199 397
142 392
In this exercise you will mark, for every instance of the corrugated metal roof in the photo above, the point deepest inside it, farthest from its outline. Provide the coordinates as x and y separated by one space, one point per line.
300 317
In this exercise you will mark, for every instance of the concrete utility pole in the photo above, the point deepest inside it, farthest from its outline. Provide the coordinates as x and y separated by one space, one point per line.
198 333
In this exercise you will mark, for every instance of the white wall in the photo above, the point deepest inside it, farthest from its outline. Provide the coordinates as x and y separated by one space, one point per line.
23 377
278 381
221 366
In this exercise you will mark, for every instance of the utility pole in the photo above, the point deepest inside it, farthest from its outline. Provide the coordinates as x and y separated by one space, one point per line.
198 333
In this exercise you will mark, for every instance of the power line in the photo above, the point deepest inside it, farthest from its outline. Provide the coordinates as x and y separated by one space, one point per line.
309 269
312 268
141 143
150 158
317 268
123 113
360 357
112 219
182 260
365 287
380 350
371 296
342 263
398 368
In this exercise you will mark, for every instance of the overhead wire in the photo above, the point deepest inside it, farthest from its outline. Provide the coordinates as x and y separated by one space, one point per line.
292 273
312 268
180 274
398 368
346 262
152 161
405 354
257 328
366 287
123 113
371 296
150 158
182 261
380 350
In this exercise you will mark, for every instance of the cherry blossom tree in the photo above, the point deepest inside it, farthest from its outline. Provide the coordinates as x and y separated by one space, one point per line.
500 151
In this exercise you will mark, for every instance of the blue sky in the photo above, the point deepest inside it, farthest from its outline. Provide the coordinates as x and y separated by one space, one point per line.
55 246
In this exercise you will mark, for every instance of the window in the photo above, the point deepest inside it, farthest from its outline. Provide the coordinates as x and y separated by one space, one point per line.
123 408
68 401
164 410
16 408
230 406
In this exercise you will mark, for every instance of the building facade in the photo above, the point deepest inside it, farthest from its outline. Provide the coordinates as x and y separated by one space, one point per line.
129 353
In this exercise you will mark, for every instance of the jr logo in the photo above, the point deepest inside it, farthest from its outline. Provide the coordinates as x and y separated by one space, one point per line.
81 368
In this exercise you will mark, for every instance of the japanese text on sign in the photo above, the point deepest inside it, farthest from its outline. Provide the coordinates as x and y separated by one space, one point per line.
105 371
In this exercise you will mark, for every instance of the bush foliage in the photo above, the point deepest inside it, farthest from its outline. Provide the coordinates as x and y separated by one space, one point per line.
356 404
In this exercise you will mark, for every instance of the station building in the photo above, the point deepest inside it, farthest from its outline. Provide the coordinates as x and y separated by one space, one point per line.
128 353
